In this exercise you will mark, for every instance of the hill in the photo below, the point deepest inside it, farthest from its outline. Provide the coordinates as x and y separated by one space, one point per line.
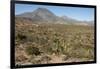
43 15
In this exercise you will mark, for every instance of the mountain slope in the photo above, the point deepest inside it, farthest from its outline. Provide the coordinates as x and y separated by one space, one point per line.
43 15
40 15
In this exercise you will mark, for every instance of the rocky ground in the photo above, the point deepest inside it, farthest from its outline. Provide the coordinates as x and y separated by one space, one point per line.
38 43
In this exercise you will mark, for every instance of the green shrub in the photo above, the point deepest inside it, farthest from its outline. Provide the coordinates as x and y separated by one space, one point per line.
32 50
21 36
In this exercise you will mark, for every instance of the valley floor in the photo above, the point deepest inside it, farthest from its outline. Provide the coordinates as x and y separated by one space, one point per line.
53 43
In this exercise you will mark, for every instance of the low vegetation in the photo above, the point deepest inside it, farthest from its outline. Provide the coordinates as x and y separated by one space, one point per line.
53 43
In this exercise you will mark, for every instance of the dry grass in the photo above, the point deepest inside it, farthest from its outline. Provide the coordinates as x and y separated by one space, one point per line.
75 42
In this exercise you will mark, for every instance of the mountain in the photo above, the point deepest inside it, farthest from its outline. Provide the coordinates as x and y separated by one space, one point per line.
89 22
70 20
40 15
43 15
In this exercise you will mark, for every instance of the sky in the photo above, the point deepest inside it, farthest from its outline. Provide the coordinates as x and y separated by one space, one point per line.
78 13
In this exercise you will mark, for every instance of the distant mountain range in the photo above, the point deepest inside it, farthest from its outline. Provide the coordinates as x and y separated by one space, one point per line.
43 15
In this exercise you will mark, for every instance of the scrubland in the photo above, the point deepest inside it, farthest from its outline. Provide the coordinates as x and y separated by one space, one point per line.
42 43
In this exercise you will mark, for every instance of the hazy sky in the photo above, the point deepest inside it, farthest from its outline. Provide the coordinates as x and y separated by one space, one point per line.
83 14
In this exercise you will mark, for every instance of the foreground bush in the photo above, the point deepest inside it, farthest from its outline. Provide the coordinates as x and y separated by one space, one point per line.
32 50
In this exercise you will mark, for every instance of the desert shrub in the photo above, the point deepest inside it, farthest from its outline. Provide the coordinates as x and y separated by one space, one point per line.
45 59
21 36
21 58
66 57
58 44
40 59
79 51
32 50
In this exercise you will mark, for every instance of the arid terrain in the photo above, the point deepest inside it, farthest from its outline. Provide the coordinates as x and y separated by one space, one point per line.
52 43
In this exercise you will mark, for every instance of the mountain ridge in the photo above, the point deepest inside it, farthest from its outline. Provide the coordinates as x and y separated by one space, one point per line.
44 15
